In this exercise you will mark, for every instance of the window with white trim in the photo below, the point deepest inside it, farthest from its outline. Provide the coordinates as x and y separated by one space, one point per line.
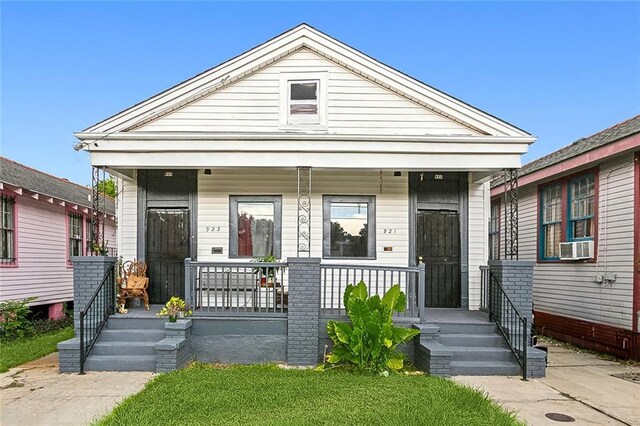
76 225
7 229
303 100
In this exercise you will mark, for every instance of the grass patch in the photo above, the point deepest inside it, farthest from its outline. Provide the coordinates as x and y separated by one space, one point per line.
268 395
27 349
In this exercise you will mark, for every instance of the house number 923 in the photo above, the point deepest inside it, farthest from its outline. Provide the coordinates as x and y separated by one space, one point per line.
212 228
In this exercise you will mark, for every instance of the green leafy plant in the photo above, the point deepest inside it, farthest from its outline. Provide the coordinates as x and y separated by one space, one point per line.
174 308
370 342
266 271
14 321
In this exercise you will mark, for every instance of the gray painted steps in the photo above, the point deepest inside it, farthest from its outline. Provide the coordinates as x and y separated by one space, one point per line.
124 348
492 340
471 353
121 363
127 344
485 368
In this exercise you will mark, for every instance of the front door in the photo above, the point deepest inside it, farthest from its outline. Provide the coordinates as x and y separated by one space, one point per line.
438 244
167 246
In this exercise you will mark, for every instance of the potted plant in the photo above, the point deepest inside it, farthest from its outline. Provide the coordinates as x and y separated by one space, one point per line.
266 273
175 308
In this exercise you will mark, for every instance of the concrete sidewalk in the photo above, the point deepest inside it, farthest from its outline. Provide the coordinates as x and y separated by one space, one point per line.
36 394
578 384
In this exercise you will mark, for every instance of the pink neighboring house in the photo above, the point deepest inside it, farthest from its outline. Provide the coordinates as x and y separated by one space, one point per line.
44 221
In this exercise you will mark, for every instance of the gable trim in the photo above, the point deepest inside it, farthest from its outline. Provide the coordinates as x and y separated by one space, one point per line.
305 36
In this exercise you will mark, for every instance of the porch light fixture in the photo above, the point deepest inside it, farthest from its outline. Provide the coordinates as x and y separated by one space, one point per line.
207 171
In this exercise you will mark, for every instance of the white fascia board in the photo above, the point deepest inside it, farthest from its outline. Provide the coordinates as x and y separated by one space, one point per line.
264 54
386 161
269 52
336 147
91 137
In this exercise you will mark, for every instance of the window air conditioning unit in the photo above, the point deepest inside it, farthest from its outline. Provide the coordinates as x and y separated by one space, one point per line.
576 250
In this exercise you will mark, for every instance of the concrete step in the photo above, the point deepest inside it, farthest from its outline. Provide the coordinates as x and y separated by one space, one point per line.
123 323
473 340
471 353
468 328
121 363
483 368
123 348
108 335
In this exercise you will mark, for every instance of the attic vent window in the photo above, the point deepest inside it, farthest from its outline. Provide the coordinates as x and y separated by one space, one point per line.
303 102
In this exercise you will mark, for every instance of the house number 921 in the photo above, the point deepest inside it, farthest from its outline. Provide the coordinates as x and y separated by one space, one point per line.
389 231
212 228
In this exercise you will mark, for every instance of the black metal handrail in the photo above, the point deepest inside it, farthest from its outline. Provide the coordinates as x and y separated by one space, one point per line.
511 324
94 316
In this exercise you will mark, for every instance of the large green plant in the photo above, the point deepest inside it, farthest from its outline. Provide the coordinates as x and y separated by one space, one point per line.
370 342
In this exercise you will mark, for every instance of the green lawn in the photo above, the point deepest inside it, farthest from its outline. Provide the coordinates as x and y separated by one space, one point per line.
267 395
19 351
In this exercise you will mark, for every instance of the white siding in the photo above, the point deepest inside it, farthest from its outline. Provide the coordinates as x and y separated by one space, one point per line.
391 208
354 105
127 219
568 288
478 249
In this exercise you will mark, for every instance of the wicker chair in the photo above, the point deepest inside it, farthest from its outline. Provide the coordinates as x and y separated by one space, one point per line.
134 283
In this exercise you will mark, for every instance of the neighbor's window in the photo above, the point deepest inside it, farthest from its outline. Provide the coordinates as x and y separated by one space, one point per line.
349 226
7 249
567 213
494 231
76 223
255 226
303 102
582 193
551 206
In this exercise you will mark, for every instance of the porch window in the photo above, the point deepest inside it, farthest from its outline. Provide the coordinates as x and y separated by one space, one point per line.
551 221
7 229
255 229
76 224
349 227
494 231
581 213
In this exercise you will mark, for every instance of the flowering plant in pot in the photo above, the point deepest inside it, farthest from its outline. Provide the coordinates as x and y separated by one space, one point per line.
175 308
266 274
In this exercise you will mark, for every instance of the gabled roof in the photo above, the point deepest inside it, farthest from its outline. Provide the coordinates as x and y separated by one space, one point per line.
582 145
21 176
304 37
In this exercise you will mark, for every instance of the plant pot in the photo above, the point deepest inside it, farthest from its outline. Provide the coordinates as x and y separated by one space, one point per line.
173 318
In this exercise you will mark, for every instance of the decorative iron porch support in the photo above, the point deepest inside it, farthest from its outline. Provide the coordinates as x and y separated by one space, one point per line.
304 212
511 214
98 199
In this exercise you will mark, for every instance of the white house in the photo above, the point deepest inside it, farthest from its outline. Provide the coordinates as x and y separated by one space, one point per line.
306 147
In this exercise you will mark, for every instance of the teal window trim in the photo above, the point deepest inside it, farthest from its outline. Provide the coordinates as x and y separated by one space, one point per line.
590 194
544 224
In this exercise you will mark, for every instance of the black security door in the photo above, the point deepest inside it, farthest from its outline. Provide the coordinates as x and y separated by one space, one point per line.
167 247
438 243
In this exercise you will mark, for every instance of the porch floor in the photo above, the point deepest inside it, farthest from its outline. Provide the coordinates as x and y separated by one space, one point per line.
140 312
454 315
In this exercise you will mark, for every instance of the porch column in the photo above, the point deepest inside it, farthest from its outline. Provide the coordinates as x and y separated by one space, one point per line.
304 211
304 310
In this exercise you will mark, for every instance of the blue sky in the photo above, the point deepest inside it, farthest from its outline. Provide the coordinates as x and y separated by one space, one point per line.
560 70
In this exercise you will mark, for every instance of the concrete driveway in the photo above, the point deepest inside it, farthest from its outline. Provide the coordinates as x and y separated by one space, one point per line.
578 384
36 394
